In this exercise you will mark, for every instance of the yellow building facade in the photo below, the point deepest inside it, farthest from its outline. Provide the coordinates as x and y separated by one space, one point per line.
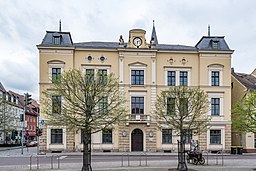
242 85
144 69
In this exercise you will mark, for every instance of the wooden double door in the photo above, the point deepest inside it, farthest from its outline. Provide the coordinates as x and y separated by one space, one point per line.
137 140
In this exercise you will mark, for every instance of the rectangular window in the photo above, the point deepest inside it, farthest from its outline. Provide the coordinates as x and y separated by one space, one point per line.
215 44
56 75
183 78
137 105
171 78
170 106
183 107
89 74
107 136
56 136
103 104
166 136
103 75
215 78
188 136
56 104
215 136
137 77
215 106
56 40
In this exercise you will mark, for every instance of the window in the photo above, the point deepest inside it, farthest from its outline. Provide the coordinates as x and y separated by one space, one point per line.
30 119
166 136
103 104
170 106
137 105
89 74
188 136
56 75
215 106
56 40
56 104
171 78
56 136
183 107
215 78
215 136
107 136
103 75
183 78
215 44
137 77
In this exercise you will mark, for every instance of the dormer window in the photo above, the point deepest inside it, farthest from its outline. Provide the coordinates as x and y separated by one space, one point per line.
56 40
215 44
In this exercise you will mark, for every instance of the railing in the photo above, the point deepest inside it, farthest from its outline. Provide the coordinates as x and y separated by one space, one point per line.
142 157
38 161
138 118
220 154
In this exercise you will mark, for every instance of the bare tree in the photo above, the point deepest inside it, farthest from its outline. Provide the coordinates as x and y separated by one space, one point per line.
8 118
244 113
84 101
183 109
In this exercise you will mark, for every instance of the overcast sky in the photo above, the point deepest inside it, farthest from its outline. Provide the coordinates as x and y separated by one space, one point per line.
23 24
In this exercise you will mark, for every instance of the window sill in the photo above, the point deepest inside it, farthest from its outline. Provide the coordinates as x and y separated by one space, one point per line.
215 144
56 144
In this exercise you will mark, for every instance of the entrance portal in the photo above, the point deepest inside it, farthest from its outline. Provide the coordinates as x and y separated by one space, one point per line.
137 140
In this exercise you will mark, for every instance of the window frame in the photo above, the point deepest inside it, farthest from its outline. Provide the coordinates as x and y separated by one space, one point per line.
56 100
107 136
166 136
183 78
188 136
56 76
139 103
171 78
141 77
215 106
215 78
218 137
58 140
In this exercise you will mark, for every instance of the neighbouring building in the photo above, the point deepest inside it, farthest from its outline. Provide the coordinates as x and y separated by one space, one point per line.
10 110
144 69
242 84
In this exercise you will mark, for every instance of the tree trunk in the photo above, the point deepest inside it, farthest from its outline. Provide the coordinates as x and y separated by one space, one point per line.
181 154
87 152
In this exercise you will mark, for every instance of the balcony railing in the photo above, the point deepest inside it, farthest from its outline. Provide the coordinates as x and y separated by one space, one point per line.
138 118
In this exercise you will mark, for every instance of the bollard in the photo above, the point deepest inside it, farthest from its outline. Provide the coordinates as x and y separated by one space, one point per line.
58 161
122 160
37 162
128 159
146 159
140 159
52 162
222 158
30 162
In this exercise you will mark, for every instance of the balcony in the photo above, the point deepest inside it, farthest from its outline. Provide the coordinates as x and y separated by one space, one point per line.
137 118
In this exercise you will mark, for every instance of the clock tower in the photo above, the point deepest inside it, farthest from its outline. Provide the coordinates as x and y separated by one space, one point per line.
137 39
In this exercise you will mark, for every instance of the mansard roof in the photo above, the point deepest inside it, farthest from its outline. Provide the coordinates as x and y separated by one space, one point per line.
65 38
206 43
2 87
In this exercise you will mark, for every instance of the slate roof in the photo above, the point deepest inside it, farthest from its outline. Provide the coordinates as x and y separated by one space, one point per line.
154 34
248 80
66 39
205 43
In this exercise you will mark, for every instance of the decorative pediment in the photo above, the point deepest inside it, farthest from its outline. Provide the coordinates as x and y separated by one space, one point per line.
140 64
215 66
55 62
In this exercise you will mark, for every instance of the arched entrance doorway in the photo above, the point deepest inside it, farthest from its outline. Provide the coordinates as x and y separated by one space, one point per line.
137 140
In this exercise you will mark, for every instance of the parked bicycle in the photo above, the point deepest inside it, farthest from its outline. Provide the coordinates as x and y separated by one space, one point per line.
195 157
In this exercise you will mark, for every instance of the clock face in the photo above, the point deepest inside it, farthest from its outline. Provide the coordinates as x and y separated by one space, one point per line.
137 41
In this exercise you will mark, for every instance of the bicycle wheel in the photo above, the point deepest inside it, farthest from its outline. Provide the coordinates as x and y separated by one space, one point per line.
195 161
202 161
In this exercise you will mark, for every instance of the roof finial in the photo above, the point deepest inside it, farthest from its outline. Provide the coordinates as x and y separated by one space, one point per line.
154 23
60 26
209 30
